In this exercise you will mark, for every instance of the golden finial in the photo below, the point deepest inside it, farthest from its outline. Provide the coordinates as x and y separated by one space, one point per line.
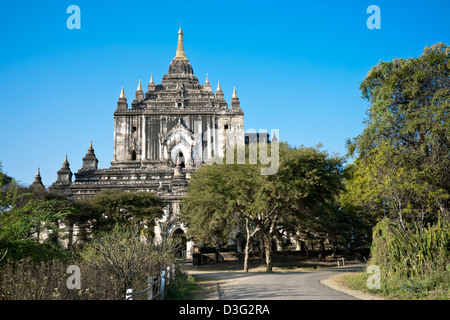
218 87
122 94
180 47
151 79
139 88
207 79
234 93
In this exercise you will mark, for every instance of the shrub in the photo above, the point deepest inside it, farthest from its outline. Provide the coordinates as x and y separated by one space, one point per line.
110 264
46 280
182 287
124 254
411 252
414 261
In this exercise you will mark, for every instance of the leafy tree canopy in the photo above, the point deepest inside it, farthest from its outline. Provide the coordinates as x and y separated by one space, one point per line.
403 154
118 207
222 196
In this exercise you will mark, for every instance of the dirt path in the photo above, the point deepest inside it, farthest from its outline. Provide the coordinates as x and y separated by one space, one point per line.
291 279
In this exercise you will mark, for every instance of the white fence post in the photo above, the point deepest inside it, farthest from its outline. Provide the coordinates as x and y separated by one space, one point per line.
343 263
163 282
129 295
150 292
168 275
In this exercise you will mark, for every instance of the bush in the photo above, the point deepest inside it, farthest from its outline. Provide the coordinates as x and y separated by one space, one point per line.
110 264
182 287
411 252
434 287
122 254
33 249
47 280
413 261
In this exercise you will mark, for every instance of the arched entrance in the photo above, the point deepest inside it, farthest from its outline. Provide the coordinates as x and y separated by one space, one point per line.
178 140
181 159
182 152
180 240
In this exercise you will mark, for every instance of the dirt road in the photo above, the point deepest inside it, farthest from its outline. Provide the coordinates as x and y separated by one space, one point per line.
305 285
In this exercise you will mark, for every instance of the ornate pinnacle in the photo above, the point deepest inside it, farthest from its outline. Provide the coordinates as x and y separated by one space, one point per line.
180 47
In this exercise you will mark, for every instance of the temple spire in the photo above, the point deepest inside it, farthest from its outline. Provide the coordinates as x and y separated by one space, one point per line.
90 161
139 94
65 163
235 103
180 47
37 185
122 102
207 85
151 85
219 92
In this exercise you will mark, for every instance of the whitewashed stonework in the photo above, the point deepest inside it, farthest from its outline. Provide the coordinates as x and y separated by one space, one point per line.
161 138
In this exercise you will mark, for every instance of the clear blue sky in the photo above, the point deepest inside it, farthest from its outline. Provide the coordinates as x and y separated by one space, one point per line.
296 66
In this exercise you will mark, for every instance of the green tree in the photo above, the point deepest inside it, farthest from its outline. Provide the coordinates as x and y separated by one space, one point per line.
127 208
245 183
306 178
220 199
122 253
403 153
205 209
27 218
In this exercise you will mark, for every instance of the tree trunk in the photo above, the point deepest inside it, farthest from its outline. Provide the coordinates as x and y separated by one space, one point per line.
307 248
217 255
333 247
322 250
268 251
262 249
247 246
246 253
